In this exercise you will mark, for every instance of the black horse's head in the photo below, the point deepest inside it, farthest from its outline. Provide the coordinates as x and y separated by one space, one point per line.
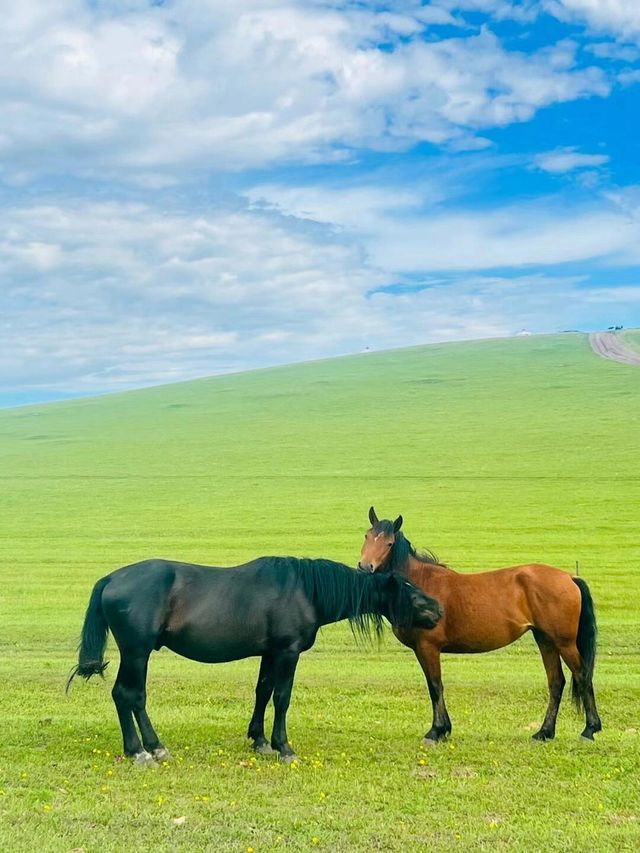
378 543
409 606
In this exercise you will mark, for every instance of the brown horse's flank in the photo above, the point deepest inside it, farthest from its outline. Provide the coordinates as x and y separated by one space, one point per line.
488 610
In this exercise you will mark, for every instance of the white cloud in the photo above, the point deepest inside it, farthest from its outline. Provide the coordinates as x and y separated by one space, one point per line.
404 231
567 160
137 292
358 208
614 50
617 16
506 238
130 294
620 294
145 92
518 10
629 78
38 256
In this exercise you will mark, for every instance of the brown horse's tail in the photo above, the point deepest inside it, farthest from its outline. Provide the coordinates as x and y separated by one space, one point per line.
586 643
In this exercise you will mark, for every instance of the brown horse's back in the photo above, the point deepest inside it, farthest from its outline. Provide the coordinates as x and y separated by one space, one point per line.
484 611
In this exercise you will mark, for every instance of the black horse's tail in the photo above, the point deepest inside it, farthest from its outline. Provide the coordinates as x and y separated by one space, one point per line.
93 639
586 643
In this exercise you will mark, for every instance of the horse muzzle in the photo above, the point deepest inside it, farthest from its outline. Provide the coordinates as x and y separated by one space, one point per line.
430 615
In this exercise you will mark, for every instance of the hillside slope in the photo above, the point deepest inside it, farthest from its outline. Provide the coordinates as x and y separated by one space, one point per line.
495 452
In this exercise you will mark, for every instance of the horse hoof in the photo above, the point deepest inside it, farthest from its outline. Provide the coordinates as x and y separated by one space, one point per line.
542 737
263 749
161 754
588 738
429 742
144 759
289 759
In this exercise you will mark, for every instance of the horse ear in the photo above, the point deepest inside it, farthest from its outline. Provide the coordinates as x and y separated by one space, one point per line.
397 524
373 518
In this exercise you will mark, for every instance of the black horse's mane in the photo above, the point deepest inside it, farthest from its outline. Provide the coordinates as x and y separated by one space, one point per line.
340 592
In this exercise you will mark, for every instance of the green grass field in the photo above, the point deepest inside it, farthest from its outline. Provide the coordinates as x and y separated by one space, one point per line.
631 337
496 452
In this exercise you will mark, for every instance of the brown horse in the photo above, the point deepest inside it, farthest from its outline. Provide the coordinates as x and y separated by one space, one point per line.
489 610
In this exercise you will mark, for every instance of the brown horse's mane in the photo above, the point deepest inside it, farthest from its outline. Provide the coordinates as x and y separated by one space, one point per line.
403 549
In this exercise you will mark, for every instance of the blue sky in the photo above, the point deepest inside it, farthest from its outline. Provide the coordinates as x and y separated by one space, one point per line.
194 187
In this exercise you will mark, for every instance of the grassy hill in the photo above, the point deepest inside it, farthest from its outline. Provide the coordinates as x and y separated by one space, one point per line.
496 452
632 338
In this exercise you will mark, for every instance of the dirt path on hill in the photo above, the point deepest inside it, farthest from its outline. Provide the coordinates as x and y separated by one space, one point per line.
609 345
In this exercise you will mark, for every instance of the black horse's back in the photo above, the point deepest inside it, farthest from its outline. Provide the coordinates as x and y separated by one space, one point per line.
218 615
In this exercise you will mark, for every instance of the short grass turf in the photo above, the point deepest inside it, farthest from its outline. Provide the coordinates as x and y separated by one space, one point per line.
631 337
496 453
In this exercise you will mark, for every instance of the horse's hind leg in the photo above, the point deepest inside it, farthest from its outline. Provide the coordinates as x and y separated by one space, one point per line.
150 739
429 659
264 689
582 690
556 681
129 696
284 671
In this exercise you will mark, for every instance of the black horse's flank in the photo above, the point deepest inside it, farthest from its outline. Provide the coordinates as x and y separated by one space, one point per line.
271 607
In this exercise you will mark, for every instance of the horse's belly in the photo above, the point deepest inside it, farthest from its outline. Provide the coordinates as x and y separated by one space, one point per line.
484 638
212 647
472 648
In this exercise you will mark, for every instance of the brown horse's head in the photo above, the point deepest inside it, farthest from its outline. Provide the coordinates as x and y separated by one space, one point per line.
378 543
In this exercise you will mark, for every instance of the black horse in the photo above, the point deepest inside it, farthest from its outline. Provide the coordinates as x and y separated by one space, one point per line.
271 607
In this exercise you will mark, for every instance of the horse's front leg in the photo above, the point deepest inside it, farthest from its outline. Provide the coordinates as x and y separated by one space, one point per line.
264 689
429 659
284 669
